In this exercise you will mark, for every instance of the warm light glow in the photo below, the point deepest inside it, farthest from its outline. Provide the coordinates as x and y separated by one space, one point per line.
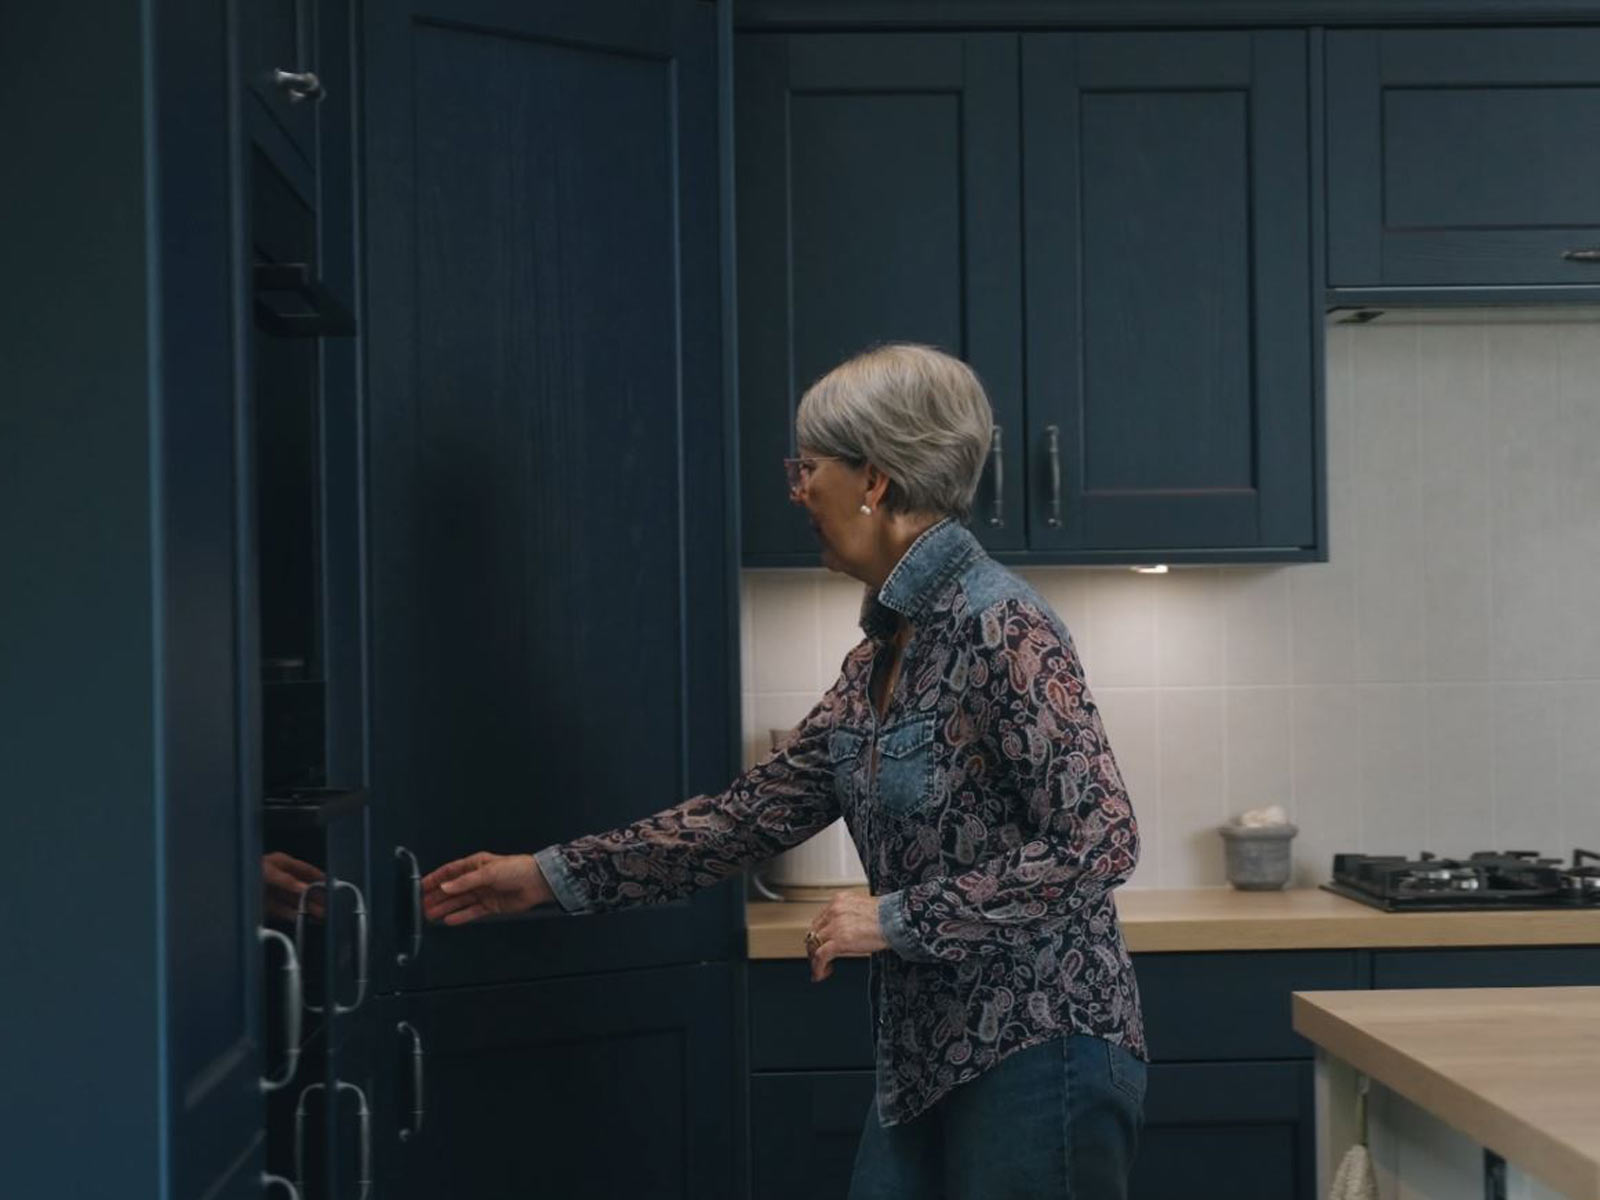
1158 569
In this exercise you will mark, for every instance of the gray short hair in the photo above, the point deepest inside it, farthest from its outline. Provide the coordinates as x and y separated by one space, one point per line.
919 414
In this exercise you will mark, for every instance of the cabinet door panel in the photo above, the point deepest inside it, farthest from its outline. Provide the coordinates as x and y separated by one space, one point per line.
1171 393
1455 157
1242 1130
877 181
805 1129
618 1085
551 591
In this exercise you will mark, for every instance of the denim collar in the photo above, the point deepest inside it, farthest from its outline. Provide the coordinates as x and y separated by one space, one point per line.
939 554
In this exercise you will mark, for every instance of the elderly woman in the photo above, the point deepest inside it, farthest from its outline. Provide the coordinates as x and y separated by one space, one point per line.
962 748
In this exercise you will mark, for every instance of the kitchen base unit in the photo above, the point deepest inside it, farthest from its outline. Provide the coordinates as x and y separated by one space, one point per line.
1490 1092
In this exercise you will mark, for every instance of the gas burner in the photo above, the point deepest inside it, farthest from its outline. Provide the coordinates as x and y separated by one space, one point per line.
1485 879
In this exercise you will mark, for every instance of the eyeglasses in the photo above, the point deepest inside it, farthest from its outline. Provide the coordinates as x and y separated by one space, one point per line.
800 470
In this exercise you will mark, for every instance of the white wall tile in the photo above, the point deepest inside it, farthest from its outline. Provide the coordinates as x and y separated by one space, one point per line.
1394 768
1192 786
1580 387
1580 767
1387 522
1258 741
1528 514
1455 496
1256 611
1133 728
1326 773
1528 767
1460 799
1122 613
783 630
1191 628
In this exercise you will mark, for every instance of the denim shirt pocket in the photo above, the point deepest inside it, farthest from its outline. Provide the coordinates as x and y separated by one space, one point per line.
844 748
905 765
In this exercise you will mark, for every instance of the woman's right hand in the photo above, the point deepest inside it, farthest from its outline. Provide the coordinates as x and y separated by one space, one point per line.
483 885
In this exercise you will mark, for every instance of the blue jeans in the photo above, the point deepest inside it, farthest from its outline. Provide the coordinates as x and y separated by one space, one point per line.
1057 1121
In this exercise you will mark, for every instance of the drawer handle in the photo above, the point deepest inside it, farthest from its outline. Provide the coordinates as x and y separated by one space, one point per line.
301 85
1585 255
291 1009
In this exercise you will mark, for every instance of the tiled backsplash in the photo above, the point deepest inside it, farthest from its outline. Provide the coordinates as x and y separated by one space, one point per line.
1435 685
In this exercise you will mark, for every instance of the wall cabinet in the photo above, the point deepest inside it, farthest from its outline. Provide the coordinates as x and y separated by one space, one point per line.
1458 158
1155 378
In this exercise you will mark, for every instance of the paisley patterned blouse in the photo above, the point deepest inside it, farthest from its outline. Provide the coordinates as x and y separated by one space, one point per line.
987 808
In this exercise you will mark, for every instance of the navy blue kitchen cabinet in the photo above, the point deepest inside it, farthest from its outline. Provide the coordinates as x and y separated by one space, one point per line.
1156 378
610 1086
1229 1105
131 1010
551 583
1457 159
878 191
1173 347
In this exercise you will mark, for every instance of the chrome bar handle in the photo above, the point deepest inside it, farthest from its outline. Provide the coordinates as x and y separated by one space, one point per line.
415 1129
1052 437
997 505
361 950
403 958
291 1021
1583 256
300 927
300 1134
364 1115
301 85
270 1181
361 940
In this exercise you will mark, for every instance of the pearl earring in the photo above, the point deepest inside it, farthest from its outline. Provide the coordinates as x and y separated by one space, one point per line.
866 509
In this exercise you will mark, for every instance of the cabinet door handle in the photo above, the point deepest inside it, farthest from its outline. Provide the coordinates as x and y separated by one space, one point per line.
415 877
1052 441
270 1181
292 1006
415 1128
997 460
300 1134
361 951
364 1115
1588 255
361 940
300 85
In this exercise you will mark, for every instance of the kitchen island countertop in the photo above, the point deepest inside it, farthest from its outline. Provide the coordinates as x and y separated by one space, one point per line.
1196 919
1513 1069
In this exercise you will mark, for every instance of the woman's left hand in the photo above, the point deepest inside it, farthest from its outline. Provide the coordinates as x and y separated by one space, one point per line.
848 925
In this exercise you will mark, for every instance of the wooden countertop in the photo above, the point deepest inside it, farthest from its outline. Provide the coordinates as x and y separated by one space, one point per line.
1226 919
1515 1069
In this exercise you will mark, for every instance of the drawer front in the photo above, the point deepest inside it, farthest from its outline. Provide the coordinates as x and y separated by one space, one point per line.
1525 966
804 1131
797 1025
1206 1007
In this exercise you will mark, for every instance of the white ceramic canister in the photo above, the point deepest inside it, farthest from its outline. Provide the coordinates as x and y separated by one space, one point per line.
819 866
